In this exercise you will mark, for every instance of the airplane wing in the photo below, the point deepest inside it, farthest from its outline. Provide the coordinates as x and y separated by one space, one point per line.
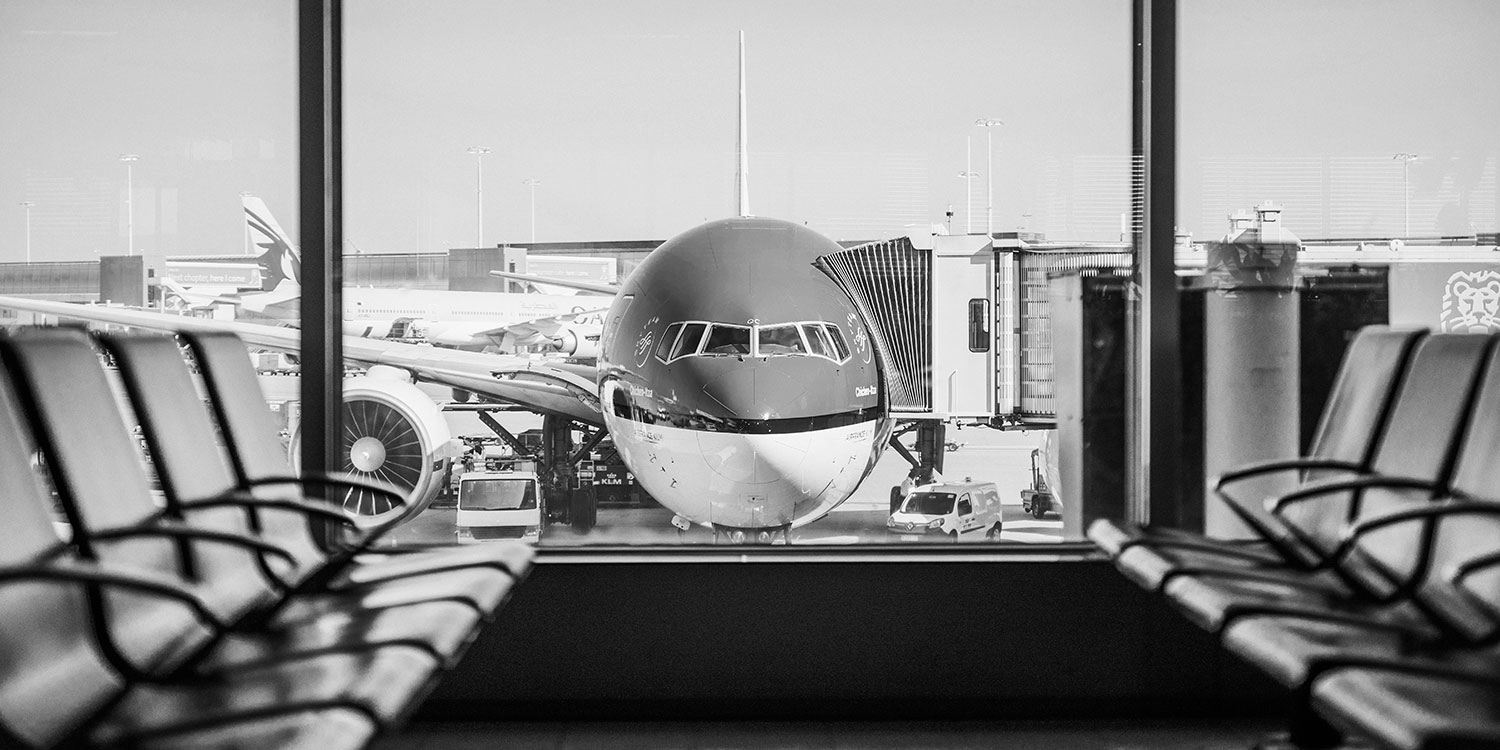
566 390
532 278
542 330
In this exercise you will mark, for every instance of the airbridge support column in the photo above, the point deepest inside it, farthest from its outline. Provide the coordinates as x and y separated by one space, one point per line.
1251 362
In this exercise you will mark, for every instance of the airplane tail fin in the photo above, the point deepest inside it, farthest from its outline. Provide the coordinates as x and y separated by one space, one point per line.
741 146
280 261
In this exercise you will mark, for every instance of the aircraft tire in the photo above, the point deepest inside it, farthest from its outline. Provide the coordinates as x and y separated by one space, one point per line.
583 511
895 498
1037 511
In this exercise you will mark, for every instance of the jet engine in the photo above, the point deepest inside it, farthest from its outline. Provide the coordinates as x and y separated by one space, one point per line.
392 433
576 343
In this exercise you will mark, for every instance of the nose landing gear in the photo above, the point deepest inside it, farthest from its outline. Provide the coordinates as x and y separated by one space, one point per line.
736 535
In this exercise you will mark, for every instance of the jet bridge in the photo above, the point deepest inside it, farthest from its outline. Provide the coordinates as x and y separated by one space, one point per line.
963 323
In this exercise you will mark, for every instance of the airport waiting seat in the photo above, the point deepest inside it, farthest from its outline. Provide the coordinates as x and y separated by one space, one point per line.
1435 685
104 492
1411 710
199 486
65 622
260 467
1344 443
1417 451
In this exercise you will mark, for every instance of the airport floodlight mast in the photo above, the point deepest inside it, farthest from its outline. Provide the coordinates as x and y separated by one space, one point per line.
28 206
479 152
532 182
968 200
989 123
1406 160
968 174
130 160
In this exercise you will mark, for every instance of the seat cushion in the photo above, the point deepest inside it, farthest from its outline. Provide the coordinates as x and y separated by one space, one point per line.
1284 647
1206 599
386 682
481 588
1411 712
329 729
1148 564
446 627
513 557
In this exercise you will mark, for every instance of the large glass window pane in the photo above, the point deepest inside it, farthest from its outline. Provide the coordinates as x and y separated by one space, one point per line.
565 148
148 159
1325 183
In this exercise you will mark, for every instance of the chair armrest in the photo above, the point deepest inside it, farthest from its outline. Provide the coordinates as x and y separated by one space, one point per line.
1285 464
204 535
97 577
1278 504
240 498
329 480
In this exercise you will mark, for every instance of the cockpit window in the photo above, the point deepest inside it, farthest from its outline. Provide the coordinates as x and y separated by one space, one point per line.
817 340
840 347
690 338
783 339
725 339
687 343
669 336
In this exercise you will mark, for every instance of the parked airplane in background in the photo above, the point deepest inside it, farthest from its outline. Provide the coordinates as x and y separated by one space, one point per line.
737 380
279 267
568 324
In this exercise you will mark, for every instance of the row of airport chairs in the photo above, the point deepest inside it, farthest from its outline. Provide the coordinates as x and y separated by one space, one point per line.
1371 589
230 609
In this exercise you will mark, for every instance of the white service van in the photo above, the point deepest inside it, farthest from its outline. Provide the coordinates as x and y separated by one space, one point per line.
499 505
961 511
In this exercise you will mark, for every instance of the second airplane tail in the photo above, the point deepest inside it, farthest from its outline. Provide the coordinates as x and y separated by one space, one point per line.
280 260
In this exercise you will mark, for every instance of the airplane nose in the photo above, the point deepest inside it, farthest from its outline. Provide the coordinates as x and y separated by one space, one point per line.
754 393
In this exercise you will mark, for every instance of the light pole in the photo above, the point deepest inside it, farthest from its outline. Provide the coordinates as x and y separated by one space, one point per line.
532 182
968 201
479 152
1406 160
27 205
968 174
130 160
989 123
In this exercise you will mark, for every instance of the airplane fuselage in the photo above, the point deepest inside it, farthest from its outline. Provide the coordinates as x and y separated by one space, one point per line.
738 381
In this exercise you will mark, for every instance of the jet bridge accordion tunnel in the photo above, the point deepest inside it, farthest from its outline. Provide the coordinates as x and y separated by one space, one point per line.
962 322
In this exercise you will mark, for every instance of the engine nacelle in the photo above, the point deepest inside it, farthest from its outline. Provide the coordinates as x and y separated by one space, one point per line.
576 343
392 433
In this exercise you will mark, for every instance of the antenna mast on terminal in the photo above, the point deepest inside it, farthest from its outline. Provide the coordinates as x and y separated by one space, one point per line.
741 149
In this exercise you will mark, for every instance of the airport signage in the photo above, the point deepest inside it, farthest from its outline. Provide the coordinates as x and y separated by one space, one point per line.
199 273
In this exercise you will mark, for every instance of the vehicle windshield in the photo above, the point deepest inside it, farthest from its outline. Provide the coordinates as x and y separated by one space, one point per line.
501 493
929 503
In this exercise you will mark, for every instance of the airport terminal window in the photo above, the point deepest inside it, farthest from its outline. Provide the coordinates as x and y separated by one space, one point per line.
434 184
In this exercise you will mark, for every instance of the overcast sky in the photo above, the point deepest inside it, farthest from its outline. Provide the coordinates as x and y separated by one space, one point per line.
625 112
